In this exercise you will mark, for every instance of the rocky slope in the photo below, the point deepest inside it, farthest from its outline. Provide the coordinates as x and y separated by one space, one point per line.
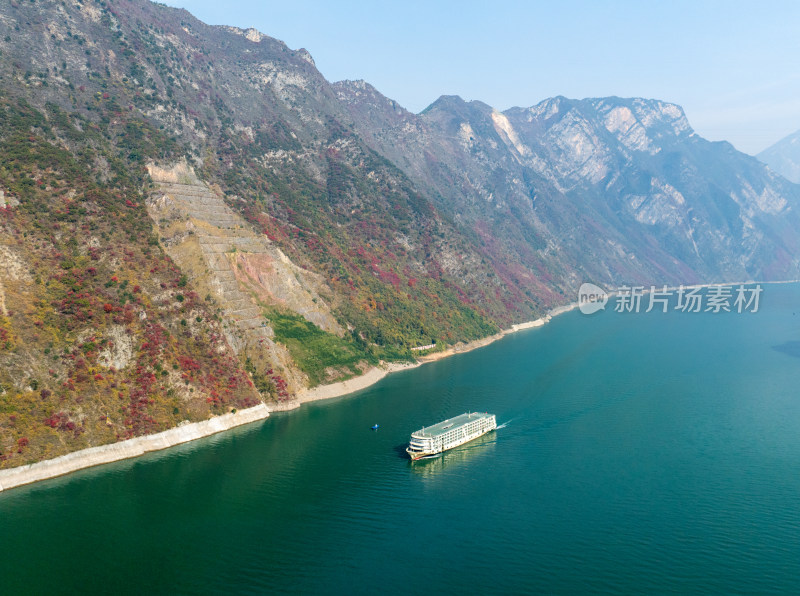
625 181
784 157
239 269
192 219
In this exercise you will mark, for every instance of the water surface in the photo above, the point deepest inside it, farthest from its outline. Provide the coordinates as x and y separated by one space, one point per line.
640 453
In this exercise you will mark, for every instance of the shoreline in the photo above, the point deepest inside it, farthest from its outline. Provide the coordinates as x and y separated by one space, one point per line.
376 373
130 448
340 388
94 456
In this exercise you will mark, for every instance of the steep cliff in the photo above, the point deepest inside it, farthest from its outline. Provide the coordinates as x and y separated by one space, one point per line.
193 220
614 190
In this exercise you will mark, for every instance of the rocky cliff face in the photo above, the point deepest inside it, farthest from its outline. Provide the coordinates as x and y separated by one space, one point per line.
619 190
192 219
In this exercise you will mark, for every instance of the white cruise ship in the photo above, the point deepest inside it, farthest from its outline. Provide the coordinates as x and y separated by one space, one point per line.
450 433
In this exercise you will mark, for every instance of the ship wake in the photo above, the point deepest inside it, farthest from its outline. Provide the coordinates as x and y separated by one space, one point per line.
505 424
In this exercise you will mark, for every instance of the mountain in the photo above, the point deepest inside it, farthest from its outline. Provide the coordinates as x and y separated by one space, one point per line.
626 181
784 157
193 220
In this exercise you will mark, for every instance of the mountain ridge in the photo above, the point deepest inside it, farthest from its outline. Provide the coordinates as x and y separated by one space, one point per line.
323 221
584 155
784 157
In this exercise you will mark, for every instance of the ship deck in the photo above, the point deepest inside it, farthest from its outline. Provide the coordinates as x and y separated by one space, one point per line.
450 423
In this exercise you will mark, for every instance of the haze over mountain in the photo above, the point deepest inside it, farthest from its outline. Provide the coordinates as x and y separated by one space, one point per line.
626 181
193 219
784 157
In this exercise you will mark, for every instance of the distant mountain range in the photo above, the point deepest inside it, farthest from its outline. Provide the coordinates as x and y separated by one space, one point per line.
610 189
784 157
193 219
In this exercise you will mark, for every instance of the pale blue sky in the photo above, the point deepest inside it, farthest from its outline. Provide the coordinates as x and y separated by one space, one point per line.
733 66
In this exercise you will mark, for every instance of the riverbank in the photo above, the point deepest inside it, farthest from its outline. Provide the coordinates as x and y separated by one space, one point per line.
480 343
377 373
130 448
372 376
95 456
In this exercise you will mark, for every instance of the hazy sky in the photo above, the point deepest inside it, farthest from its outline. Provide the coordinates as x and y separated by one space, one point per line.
733 66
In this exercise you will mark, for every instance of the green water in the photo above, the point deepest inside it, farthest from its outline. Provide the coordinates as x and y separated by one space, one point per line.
640 453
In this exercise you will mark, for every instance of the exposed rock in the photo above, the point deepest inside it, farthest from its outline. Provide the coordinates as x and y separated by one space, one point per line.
120 351
239 266
13 266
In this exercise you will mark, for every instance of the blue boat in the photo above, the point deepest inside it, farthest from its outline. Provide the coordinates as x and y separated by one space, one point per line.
375 427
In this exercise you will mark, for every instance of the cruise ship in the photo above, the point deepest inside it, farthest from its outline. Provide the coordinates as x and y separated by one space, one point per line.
450 433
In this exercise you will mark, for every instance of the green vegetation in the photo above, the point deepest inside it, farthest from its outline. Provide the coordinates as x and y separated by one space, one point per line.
397 294
92 324
103 337
321 355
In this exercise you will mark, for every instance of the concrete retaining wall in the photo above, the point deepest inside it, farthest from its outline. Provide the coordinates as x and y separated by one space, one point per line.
104 454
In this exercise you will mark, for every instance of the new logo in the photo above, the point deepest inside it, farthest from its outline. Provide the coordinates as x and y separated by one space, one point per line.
591 298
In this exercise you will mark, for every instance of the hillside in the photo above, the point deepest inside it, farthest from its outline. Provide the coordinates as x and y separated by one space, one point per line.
626 181
784 157
193 220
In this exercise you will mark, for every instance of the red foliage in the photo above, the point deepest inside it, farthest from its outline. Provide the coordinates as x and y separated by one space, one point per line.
280 386
187 363
60 421
389 277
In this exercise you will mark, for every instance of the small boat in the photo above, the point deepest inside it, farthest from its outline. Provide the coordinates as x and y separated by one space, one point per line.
375 427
